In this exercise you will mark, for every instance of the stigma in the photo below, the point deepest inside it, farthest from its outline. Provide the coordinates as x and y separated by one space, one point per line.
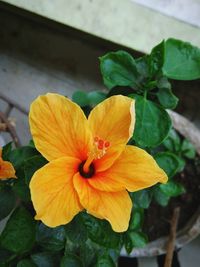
100 147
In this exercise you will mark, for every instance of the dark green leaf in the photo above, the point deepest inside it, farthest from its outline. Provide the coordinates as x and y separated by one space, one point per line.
101 232
19 233
5 255
136 220
172 189
81 98
166 98
160 197
118 69
142 64
19 155
6 151
188 150
26 263
105 261
182 60
51 238
157 58
135 239
173 141
168 162
46 259
32 165
70 260
152 123
7 201
142 198
21 189
96 97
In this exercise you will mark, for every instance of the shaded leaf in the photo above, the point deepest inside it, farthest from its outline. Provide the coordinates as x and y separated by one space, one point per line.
7 201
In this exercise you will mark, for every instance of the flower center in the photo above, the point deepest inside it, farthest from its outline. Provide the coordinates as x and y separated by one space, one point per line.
100 147
89 173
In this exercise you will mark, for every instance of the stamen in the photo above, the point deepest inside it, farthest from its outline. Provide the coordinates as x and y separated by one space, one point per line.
99 150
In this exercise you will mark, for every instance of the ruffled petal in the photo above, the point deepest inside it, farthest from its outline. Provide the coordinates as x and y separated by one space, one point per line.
113 120
115 207
134 170
52 191
59 127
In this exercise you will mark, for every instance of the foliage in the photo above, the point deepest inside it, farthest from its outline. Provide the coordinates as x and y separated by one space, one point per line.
88 241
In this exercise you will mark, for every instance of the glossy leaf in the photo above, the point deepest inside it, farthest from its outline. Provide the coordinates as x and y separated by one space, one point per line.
71 260
136 220
173 141
118 69
7 201
168 162
160 197
166 98
172 189
19 233
182 60
142 198
105 261
46 259
80 98
188 150
157 58
152 123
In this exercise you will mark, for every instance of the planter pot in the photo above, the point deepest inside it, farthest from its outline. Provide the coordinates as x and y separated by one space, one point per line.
192 228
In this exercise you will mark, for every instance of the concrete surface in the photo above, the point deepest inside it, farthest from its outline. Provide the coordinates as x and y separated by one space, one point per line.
121 21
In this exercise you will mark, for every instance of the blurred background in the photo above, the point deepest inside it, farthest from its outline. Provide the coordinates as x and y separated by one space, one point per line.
53 46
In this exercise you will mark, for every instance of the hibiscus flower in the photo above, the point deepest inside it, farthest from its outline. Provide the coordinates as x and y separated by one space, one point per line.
90 166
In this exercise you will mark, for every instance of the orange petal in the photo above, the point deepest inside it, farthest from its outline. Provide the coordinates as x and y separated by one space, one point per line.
59 127
52 191
6 170
113 120
114 207
134 170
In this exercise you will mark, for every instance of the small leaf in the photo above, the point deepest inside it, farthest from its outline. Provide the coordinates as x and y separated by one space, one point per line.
32 165
81 98
136 220
182 60
172 189
46 259
7 201
188 150
6 151
51 238
105 261
5 255
118 69
142 198
168 162
71 260
173 141
166 98
135 239
19 233
152 123
160 197
96 97
157 58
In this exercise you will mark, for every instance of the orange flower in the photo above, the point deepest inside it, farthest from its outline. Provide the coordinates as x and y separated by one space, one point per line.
90 167
6 168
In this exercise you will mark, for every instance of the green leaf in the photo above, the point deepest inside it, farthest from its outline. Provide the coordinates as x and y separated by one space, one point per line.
96 97
21 189
51 238
118 69
19 233
188 150
46 259
5 255
182 60
100 232
19 155
136 220
142 198
105 261
26 263
135 239
142 64
157 58
71 260
160 197
7 201
152 123
166 98
32 165
6 151
81 98
172 189
173 141
168 162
